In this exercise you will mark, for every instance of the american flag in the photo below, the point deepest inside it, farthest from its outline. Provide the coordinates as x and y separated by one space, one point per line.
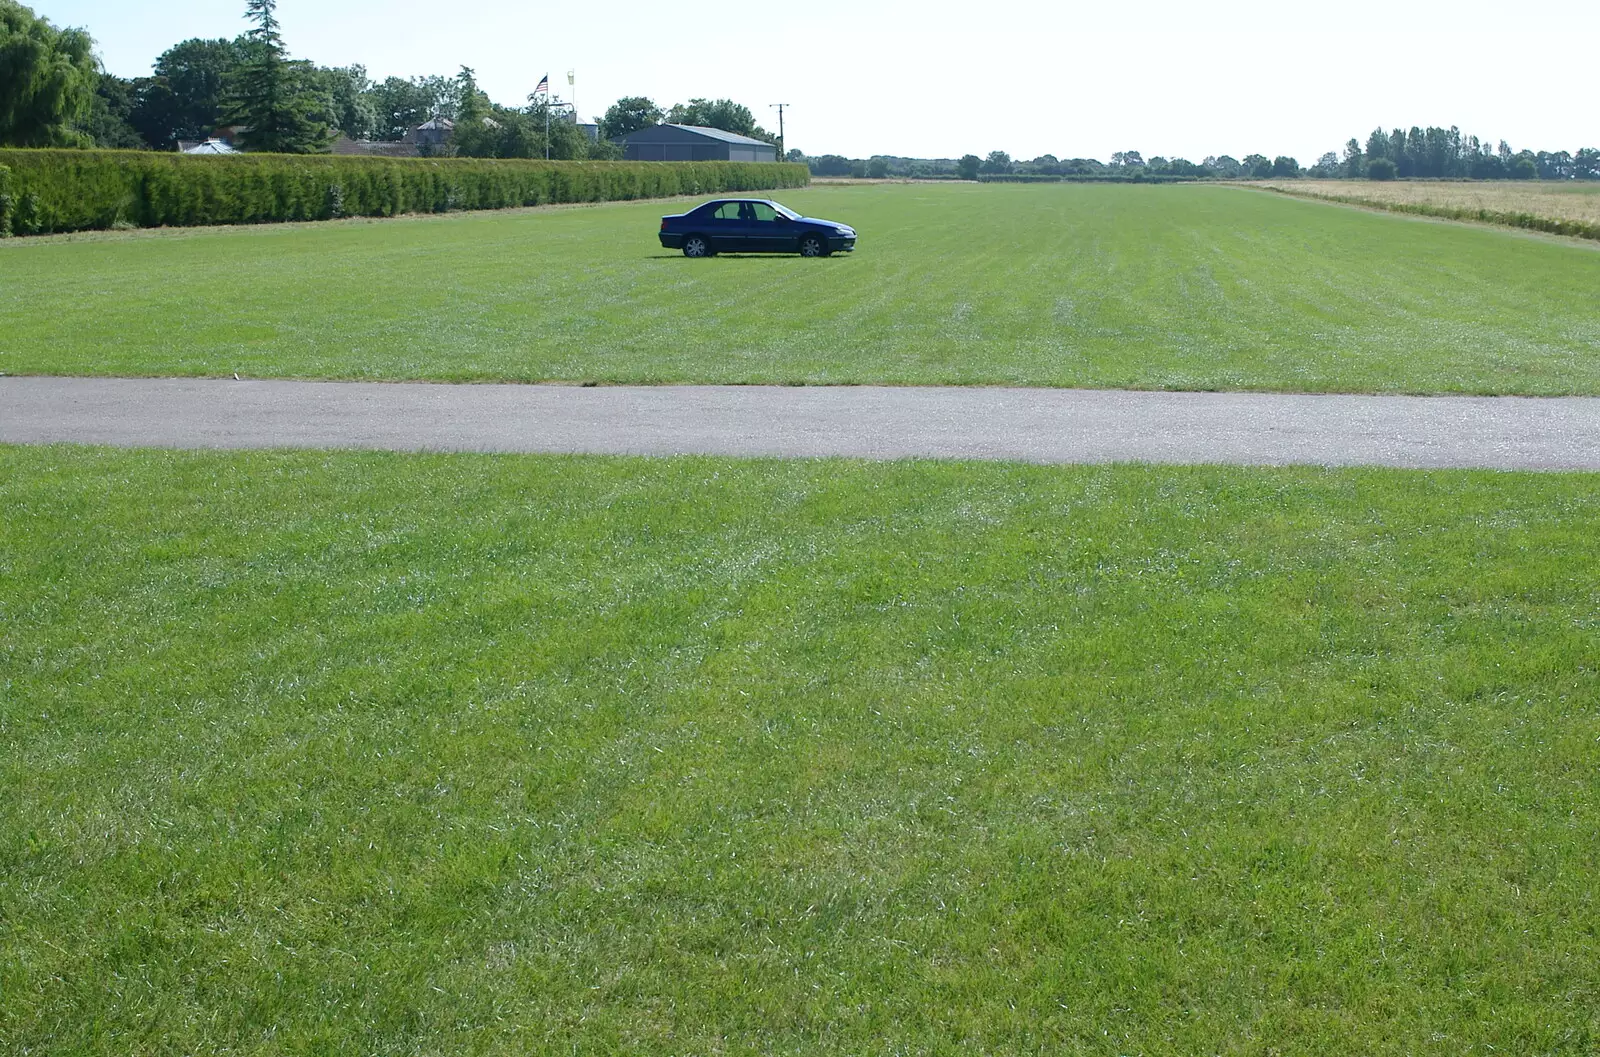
544 86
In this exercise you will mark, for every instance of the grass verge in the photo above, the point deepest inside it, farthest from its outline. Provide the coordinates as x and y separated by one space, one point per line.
317 753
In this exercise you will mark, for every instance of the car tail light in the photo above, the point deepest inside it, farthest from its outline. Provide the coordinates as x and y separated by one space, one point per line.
663 223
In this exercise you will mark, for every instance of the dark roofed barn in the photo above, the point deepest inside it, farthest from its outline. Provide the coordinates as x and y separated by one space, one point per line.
693 143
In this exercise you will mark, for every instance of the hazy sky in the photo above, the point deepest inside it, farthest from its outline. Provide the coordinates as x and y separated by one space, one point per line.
939 79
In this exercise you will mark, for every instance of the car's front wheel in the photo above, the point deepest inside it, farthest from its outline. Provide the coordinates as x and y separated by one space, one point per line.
813 246
696 246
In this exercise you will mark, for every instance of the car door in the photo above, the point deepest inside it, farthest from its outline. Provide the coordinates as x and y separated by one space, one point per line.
730 227
768 232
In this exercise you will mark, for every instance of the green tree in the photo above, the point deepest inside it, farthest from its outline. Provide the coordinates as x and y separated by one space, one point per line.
271 96
721 113
1285 167
400 105
1256 167
602 149
48 78
830 165
1381 169
1327 167
724 114
486 130
1397 152
629 114
483 130
878 168
109 115
967 168
473 103
997 163
191 89
1227 167
349 100
1355 163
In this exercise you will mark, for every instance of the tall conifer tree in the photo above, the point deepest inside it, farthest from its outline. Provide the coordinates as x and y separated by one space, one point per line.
271 97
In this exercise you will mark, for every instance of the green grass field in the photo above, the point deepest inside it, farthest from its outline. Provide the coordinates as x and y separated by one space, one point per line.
306 753
1184 287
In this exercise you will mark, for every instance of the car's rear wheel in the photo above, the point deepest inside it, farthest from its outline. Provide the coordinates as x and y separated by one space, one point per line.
813 246
697 246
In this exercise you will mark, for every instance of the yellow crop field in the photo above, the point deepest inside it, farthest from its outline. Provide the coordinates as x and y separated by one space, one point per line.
1566 208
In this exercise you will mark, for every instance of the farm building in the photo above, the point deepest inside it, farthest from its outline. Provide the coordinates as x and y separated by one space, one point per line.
693 143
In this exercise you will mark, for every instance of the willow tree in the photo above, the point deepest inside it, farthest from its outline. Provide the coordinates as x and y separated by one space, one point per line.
47 81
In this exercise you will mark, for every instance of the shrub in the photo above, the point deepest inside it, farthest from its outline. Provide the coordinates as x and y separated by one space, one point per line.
1380 169
5 201
77 190
26 217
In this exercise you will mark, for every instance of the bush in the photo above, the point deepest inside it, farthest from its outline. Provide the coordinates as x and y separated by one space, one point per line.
1380 169
79 190
5 201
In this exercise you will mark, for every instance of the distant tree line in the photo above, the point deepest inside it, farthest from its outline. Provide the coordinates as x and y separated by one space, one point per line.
1432 153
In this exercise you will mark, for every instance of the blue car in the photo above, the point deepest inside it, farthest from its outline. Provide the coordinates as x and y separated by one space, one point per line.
753 225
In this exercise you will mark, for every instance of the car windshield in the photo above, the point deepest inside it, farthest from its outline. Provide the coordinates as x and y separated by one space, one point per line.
786 211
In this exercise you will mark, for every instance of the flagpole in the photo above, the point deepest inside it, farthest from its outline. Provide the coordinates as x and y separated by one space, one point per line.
544 89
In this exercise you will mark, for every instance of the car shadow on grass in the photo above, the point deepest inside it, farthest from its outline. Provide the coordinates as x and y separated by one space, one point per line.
740 256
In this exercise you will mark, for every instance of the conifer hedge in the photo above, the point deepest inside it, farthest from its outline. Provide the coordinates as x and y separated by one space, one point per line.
44 191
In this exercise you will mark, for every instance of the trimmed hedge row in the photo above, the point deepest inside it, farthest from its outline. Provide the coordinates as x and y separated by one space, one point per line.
43 191
1580 229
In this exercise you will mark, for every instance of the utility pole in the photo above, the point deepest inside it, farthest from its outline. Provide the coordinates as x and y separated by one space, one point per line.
779 108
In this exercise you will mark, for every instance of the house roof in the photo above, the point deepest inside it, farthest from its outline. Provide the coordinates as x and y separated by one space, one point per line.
708 133
727 137
211 146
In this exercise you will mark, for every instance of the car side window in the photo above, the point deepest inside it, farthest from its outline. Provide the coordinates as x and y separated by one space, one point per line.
764 213
728 211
